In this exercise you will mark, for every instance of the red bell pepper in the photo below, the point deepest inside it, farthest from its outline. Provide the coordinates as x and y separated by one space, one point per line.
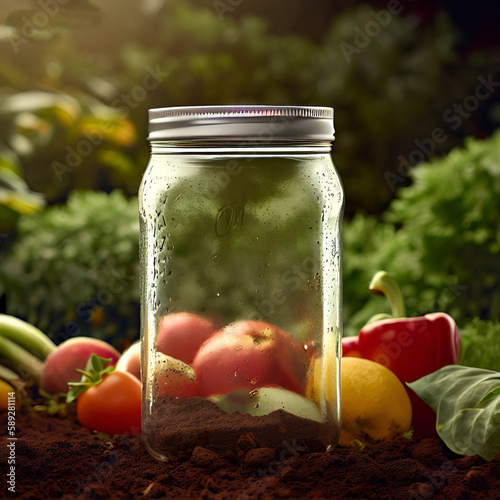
409 347
350 347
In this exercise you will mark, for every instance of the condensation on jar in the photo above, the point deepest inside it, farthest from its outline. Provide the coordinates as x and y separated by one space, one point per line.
241 307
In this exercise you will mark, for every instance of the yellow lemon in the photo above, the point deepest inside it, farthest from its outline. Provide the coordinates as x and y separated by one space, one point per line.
374 403
5 391
321 380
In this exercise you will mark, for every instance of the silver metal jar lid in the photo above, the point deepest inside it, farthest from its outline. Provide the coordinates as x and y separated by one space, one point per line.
241 123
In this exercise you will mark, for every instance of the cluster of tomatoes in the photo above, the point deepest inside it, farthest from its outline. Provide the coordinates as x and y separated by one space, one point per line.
196 358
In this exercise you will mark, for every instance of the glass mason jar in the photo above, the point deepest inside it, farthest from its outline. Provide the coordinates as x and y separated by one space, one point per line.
240 214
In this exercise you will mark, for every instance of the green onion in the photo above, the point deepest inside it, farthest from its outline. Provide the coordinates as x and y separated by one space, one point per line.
26 336
21 361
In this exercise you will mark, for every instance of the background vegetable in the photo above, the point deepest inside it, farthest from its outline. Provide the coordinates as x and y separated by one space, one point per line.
25 335
27 366
6 391
130 360
467 403
56 365
62 364
180 335
13 379
174 378
249 355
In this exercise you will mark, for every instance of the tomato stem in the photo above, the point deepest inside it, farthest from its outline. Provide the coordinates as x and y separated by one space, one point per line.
95 369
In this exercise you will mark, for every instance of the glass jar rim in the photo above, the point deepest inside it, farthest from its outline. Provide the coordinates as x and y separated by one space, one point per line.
261 123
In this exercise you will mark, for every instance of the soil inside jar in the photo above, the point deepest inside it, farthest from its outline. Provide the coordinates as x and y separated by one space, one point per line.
178 426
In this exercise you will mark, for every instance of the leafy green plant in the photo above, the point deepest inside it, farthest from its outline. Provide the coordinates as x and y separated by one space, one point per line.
74 269
439 239
480 344
467 403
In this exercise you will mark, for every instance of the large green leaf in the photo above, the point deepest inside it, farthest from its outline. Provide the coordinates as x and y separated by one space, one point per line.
467 403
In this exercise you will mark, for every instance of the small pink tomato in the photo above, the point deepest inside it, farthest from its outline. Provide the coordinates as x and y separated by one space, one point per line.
174 378
246 355
130 360
180 335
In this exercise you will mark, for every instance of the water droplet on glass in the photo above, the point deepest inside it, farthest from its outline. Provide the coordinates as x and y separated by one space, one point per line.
253 393
253 381
256 405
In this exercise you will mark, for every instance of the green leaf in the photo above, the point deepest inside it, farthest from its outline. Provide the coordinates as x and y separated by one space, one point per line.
495 393
95 369
467 403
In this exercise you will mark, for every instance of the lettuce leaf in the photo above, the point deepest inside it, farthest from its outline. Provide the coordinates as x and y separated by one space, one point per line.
467 403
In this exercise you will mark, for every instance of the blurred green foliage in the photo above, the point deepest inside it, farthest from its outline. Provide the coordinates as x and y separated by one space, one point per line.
38 128
440 239
479 344
74 268
109 66
73 115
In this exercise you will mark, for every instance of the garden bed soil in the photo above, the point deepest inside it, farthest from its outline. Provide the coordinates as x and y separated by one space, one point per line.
57 458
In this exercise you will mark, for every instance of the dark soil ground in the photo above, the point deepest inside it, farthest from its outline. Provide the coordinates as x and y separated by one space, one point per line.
56 458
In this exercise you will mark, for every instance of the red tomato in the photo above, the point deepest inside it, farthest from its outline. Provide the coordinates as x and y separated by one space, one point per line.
112 406
247 355
174 378
180 335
